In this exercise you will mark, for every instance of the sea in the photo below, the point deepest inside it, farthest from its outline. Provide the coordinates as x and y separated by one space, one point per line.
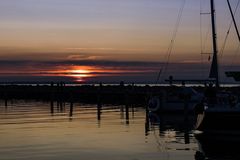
37 130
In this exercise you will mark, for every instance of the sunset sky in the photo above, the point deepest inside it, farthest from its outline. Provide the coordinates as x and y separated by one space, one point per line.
109 40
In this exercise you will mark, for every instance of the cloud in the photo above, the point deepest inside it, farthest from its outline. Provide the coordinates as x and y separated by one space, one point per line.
103 49
83 57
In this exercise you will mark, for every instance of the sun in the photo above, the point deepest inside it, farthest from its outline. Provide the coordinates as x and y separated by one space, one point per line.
83 73
79 73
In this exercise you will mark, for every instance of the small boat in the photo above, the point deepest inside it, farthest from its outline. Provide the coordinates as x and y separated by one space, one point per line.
175 99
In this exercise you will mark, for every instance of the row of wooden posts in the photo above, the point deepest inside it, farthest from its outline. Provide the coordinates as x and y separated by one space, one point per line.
60 104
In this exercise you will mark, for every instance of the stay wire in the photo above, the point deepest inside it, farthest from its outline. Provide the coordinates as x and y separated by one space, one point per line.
234 60
170 48
228 31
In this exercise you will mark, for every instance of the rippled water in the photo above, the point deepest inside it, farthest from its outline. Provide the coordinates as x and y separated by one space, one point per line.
31 130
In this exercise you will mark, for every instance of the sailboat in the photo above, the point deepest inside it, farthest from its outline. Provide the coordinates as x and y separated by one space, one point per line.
218 118
176 98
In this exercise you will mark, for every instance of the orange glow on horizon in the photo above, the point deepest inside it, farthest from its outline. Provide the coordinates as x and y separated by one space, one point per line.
81 73
77 73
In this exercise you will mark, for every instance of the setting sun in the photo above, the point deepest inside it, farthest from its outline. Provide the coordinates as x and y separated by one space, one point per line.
79 72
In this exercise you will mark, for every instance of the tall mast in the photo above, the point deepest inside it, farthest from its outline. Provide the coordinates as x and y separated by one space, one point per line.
214 65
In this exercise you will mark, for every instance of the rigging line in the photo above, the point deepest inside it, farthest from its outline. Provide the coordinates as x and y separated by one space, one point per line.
228 31
233 18
169 50
159 74
235 55
206 38
238 48
201 42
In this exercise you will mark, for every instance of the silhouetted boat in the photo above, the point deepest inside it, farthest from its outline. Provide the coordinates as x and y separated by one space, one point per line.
218 116
175 99
217 147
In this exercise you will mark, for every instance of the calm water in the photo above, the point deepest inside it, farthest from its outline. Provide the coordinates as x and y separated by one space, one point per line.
31 130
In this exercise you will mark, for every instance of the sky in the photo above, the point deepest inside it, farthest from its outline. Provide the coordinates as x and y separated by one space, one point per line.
110 40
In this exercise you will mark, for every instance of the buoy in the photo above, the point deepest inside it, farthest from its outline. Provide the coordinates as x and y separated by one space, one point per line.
154 104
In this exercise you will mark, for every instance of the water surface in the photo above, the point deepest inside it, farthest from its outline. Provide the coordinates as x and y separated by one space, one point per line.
32 130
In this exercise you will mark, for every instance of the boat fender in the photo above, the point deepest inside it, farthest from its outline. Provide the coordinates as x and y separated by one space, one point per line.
154 104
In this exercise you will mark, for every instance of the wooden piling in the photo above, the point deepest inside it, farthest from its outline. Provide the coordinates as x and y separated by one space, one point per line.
6 102
52 107
71 109
99 112
186 121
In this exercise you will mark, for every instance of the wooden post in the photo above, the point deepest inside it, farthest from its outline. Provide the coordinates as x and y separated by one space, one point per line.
6 102
99 95
71 109
6 99
61 105
52 98
127 106
99 109
147 122
186 111
127 114
52 107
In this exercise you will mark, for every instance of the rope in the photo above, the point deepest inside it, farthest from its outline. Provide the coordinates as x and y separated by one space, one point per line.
228 31
170 47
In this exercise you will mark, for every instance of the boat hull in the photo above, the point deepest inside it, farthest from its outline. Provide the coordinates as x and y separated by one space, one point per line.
173 106
218 133
176 99
217 146
219 121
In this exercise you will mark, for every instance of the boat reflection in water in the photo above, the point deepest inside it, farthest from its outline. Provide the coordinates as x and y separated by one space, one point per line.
173 127
209 146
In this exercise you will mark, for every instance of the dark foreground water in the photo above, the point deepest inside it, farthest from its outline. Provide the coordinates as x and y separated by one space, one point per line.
35 131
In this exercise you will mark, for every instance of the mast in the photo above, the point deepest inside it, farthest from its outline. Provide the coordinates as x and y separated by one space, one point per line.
214 65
